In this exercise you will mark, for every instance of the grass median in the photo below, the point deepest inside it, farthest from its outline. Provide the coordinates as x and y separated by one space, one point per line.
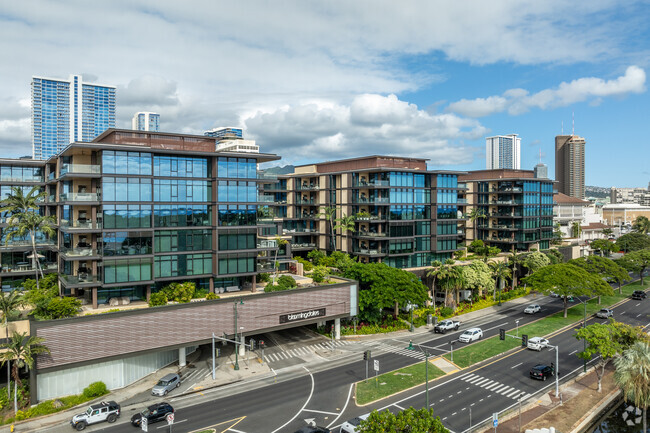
394 381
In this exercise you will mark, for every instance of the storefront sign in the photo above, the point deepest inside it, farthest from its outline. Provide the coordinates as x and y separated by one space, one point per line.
309 314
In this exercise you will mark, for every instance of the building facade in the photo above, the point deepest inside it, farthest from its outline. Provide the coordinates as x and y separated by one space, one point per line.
570 165
145 121
66 111
503 152
517 208
630 195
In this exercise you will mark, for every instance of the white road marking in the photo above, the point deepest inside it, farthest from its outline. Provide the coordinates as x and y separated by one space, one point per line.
454 413
480 400
344 407
486 384
398 406
311 392
320 411
480 382
622 313
573 352
514 366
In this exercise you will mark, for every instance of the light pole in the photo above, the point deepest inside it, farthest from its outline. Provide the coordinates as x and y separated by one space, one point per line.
426 370
556 370
517 322
237 302
451 344
411 329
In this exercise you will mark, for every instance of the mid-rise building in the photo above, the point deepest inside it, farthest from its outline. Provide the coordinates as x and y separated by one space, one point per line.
66 111
570 165
145 121
541 171
503 152
230 139
630 195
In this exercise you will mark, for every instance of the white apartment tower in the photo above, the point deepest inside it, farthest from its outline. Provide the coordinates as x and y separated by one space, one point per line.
503 151
146 121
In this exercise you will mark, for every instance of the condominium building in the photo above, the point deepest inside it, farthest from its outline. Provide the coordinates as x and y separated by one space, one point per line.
503 152
145 121
231 139
630 195
517 208
404 214
570 165
65 111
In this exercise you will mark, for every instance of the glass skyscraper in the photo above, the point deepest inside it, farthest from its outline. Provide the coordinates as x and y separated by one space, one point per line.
65 111
503 151
146 121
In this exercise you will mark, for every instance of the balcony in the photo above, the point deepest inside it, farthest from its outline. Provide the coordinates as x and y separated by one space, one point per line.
79 196
264 175
372 184
305 187
265 199
305 202
51 176
14 243
79 251
81 224
27 267
303 246
461 201
73 280
371 200
369 252
79 169
369 218
372 234
462 185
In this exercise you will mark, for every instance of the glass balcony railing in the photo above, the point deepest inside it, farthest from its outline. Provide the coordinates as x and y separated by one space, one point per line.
27 267
303 245
79 169
79 251
372 234
79 279
264 175
371 200
307 187
265 199
51 176
81 224
306 202
461 201
80 196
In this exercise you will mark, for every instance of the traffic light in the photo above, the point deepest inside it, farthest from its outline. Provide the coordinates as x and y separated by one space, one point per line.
366 355
252 343
261 344
502 334
524 340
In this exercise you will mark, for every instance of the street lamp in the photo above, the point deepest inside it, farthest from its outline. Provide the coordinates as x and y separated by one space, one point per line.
517 322
411 329
556 370
237 302
426 370
451 344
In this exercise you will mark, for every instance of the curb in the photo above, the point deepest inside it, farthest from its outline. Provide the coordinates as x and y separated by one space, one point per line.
597 412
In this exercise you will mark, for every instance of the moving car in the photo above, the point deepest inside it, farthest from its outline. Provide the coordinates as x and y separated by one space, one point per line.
471 334
313 429
105 411
446 325
604 313
532 309
639 295
537 343
154 413
541 372
350 426
166 384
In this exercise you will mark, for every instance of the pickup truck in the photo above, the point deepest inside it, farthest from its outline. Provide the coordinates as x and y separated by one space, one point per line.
446 325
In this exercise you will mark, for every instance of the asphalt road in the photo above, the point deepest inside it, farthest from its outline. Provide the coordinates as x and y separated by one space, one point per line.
324 395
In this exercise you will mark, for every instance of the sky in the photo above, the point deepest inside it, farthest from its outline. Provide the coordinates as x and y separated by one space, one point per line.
324 80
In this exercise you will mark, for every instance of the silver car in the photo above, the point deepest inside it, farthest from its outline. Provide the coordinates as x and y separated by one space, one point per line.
166 384
537 343
352 425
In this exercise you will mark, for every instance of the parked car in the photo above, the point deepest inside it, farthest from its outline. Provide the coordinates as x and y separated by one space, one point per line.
537 343
471 334
532 309
105 411
446 325
554 295
313 429
639 295
154 413
604 313
541 372
166 384
350 426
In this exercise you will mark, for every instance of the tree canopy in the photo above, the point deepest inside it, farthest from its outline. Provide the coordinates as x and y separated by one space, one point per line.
603 266
633 242
535 261
478 275
567 280
633 376
636 261
407 421
604 246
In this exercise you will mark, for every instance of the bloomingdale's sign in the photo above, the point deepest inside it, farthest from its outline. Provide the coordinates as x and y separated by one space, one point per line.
286 318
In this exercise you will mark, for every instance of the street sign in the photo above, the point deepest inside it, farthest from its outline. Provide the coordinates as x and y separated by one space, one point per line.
144 424
495 419
170 418
376 365
495 422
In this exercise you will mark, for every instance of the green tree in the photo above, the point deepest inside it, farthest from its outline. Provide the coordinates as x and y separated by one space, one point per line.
633 242
433 274
316 256
636 261
603 246
478 275
381 286
319 274
604 267
567 280
607 232
406 421
557 235
633 376
451 279
576 229
641 224
534 261
22 350
515 260
41 297
279 242
60 308
328 212
10 305
554 256
500 272
605 341
345 224
474 215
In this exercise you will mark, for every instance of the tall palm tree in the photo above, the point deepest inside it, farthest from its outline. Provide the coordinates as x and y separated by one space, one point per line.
328 213
515 259
10 302
451 279
641 224
633 376
473 215
22 350
346 224
433 274
500 273
576 229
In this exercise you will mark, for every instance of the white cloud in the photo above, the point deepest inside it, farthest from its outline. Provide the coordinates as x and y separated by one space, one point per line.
518 101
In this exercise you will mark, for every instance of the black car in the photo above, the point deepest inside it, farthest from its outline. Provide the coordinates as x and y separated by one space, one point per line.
541 372
313 429
153 413
639 295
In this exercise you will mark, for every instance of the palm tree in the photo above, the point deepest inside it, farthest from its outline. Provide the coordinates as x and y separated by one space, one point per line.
346 224
451 279
433 274
23 351
328 213
501 273
576 230
633 376
10 302
473 215
515 259
641 224
279 242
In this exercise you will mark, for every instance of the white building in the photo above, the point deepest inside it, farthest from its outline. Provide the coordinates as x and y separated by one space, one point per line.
503 151
146 121
231 139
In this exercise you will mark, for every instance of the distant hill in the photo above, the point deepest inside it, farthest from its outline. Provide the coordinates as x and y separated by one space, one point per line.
596 191
280 170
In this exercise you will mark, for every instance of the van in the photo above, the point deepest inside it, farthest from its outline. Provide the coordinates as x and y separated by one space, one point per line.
166 384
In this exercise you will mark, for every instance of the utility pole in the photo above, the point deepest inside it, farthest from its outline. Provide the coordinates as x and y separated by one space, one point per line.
237 302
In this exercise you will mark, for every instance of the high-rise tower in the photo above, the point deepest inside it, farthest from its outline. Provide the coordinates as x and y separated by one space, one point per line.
503 152
65 111
146 121
570 165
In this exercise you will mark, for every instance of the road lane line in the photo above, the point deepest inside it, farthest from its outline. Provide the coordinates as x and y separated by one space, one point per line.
311 392
573 352
515 366
398 406
320 411
498 326
344 407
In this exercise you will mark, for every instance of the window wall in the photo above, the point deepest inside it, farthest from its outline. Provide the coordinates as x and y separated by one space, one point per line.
236 264
126 189
133 163
243 168
238 241
237 215
12 173
397 178
122 216
447 181
178 166
182 264
126 243
166 241
122 271
234 191
181 215
175 190
409 212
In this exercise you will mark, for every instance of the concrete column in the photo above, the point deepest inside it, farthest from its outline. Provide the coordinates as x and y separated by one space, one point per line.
211 284
181 357
337 329
94 289
242 348
148 292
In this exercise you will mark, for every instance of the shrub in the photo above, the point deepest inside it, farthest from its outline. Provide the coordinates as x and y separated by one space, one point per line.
200 293
211 296
307 266
59 308
287 281
319 274
180 292
95 389
316 256
264 278
446 312
157 299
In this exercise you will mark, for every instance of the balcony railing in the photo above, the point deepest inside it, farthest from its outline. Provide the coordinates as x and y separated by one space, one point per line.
371 252
51 176
371 200
372 234
265 199
303 245
79 251
80 196
370 218
27 267
305 202
462 185
81 224
27 243
461 201
80 279
264 175
304 187
372 184
79 169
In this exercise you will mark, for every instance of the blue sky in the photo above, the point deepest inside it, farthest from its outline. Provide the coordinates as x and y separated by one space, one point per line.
316 81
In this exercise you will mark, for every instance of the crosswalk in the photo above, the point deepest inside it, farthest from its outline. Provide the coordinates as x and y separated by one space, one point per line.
196 374
417 354
303 351
494 386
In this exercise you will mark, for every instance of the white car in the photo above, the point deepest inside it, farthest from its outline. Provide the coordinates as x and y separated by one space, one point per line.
537 343
471 334
532 309
351 426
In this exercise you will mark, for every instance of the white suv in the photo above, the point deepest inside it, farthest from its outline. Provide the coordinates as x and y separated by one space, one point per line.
537 343
471 334
104 411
